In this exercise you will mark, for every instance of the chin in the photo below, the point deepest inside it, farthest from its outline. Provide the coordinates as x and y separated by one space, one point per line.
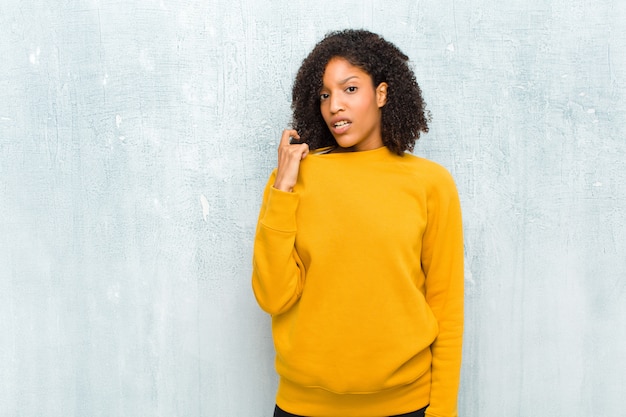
344 143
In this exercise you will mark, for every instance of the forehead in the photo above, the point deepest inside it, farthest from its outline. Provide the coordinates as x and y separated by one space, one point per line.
340 69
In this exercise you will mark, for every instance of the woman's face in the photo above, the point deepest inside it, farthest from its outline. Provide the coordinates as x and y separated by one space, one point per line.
351 106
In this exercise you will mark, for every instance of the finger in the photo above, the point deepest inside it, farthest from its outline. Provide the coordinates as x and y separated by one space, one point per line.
287 135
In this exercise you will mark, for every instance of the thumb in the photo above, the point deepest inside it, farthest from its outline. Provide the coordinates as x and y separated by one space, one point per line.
305 151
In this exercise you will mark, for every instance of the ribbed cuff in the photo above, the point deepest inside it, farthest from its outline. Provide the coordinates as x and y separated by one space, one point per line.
280 213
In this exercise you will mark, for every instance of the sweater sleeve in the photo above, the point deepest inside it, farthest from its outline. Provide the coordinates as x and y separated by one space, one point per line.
442 262
277 271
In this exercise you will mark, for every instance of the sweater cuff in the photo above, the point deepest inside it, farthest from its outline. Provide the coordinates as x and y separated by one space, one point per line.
280 213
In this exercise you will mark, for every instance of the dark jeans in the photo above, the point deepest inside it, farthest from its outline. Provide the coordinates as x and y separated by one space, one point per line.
281 413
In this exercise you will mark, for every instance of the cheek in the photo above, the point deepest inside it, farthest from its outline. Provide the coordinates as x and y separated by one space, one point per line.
325 112
368 106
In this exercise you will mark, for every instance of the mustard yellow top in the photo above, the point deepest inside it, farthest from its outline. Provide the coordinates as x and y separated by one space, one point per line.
361 268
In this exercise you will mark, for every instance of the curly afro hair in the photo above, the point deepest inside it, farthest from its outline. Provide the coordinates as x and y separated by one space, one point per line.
403 116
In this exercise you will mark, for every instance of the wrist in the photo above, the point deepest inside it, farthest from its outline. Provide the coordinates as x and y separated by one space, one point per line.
283 187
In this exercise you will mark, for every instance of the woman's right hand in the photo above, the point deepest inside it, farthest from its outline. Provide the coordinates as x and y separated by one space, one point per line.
289 157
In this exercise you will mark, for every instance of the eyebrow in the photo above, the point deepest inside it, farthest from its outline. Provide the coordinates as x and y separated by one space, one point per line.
345 80
348 79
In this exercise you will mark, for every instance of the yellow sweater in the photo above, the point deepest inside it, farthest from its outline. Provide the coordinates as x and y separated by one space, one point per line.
361 268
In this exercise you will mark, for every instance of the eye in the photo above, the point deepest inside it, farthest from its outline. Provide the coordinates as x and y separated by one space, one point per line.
351 89
324 96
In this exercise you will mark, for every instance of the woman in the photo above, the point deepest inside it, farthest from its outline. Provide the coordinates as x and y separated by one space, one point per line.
358 254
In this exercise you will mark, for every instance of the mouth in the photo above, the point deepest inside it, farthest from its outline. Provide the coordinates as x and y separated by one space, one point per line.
341 126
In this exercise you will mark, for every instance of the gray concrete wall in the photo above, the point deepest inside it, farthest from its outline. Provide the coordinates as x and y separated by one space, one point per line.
136 137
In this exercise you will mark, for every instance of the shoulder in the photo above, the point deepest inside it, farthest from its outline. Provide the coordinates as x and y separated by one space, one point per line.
427 170
438 184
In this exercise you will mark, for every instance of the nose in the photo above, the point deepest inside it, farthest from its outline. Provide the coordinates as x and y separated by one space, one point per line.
335 103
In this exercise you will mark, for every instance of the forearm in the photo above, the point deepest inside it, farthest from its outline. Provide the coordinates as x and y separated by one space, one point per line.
277 272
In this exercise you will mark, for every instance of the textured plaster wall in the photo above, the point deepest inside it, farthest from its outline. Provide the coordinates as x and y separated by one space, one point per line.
136 137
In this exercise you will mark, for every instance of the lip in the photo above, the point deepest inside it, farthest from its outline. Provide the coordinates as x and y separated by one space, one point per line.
341 129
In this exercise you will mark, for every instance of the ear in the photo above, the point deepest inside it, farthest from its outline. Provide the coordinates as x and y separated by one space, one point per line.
381 94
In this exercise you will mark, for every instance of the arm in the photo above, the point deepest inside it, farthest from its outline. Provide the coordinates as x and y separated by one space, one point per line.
277 271
442 261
